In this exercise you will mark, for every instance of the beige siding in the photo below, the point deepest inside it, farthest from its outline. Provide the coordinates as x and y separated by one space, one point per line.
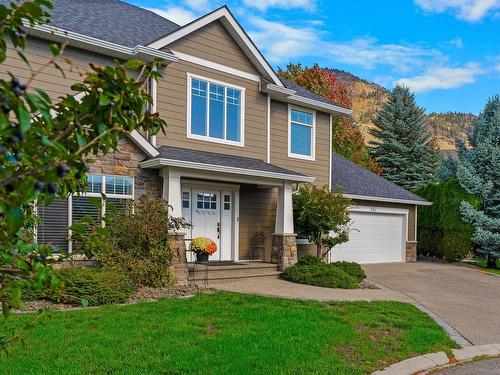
257 213
50 79
214 43
320 167
411 213
172 106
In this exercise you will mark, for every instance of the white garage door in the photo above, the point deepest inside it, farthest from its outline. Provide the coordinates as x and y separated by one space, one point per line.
375 238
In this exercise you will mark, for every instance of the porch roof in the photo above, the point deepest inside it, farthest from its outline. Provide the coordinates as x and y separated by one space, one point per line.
211 161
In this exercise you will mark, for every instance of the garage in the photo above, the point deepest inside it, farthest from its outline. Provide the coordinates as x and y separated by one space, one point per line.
377 236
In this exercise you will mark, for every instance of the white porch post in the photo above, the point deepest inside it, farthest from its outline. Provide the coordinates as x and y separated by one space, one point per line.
172 190
284 210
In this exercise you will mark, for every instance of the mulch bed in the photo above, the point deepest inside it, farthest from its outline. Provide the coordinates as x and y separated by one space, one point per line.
142 294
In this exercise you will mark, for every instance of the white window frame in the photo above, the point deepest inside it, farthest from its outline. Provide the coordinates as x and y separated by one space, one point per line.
226 85
312 157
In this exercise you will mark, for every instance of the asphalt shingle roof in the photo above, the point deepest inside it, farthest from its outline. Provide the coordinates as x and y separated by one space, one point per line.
212 158
355 180
110 20
304 92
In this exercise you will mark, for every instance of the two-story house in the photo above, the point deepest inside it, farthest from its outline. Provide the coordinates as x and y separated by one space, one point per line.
239 140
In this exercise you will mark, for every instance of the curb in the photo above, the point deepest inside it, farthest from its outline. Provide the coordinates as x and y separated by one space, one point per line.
434 360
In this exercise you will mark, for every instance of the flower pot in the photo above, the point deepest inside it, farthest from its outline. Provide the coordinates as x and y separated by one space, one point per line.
202 257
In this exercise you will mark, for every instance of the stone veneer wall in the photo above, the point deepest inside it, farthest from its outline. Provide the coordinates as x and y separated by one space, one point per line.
125 162
284 250
411 251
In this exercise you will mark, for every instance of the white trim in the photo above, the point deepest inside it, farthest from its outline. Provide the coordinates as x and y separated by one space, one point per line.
234 29
162 162
216 66
207 138
144 144
153 91
416 226
379 210
70 223
392 200
330 168
290 96
312 157
97 45
268 129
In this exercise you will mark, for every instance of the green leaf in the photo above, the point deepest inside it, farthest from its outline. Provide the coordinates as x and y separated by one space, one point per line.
78 228
104 99
15 219
24 58
80 138
58 67
23 117
55 49
133 64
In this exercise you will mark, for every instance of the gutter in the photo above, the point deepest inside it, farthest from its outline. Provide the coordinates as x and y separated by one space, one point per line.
391 200
290 96
103 47
163 162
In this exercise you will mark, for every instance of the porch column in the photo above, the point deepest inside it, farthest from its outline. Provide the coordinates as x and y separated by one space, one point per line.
284 210
172 190
284 240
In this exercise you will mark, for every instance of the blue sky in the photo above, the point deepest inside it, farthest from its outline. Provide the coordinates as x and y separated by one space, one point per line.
447 51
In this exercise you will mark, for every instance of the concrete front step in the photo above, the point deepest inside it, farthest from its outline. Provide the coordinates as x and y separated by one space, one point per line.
231 278
231 271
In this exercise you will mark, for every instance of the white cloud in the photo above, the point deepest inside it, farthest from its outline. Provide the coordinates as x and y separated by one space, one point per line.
469 10
282 43
457 42
442 78
175 14
286 4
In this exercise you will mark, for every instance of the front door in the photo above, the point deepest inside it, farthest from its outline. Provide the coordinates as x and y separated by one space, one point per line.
206 217
210 213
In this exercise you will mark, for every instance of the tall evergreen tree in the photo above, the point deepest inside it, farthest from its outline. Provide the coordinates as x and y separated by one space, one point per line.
403 146
479 173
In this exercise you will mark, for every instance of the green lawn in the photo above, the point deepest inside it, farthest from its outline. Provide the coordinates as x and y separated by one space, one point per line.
482 263
225 333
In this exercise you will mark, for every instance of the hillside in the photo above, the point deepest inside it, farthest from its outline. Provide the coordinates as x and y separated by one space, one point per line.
368 97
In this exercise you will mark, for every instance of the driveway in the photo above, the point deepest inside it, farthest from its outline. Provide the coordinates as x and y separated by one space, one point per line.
467 299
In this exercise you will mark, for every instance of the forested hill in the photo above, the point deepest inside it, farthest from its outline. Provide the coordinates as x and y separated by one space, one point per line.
368 97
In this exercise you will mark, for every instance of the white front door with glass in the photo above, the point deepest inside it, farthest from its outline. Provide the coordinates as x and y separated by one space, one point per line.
211 215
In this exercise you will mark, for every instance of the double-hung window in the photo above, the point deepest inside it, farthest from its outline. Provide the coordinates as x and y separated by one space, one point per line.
215 111
301 133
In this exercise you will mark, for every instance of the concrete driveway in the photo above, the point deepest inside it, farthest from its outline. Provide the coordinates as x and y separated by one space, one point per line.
467 299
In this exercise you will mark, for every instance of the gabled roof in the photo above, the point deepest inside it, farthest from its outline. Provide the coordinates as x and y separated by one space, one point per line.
110 20
211 161
224 15
304 92
359 183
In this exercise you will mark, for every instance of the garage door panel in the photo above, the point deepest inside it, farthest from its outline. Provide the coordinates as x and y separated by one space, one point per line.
376 238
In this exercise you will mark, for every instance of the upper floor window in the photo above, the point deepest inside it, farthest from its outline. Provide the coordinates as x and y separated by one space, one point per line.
215 111
301 130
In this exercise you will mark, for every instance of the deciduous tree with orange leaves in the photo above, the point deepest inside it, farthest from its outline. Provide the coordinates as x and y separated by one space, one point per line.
347 140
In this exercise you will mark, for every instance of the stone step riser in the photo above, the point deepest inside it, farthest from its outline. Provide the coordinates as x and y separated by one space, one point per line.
234 273
200 281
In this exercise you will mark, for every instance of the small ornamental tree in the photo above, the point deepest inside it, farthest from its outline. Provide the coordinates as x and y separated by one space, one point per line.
46 146
322 216
479 173
347 140
403 146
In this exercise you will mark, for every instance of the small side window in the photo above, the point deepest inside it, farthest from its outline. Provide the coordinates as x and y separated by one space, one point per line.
227 201
185 199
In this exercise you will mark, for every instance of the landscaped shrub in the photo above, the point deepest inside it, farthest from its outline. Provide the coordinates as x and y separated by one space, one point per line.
136 244
441 231
307 260
325 275
351 268
79 284
97 286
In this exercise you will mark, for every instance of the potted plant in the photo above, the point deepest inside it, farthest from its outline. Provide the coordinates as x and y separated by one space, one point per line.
203 247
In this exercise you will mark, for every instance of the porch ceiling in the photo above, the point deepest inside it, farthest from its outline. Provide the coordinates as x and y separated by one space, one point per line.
211 161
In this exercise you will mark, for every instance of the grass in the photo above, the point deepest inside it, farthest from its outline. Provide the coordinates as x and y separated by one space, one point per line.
226 333
482 263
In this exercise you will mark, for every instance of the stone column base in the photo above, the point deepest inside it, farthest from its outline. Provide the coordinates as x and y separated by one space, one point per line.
178 268
284 250
411 251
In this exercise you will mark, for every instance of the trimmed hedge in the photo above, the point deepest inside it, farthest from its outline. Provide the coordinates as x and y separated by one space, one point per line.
308 260
97 286
351 268
322 274
441 231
